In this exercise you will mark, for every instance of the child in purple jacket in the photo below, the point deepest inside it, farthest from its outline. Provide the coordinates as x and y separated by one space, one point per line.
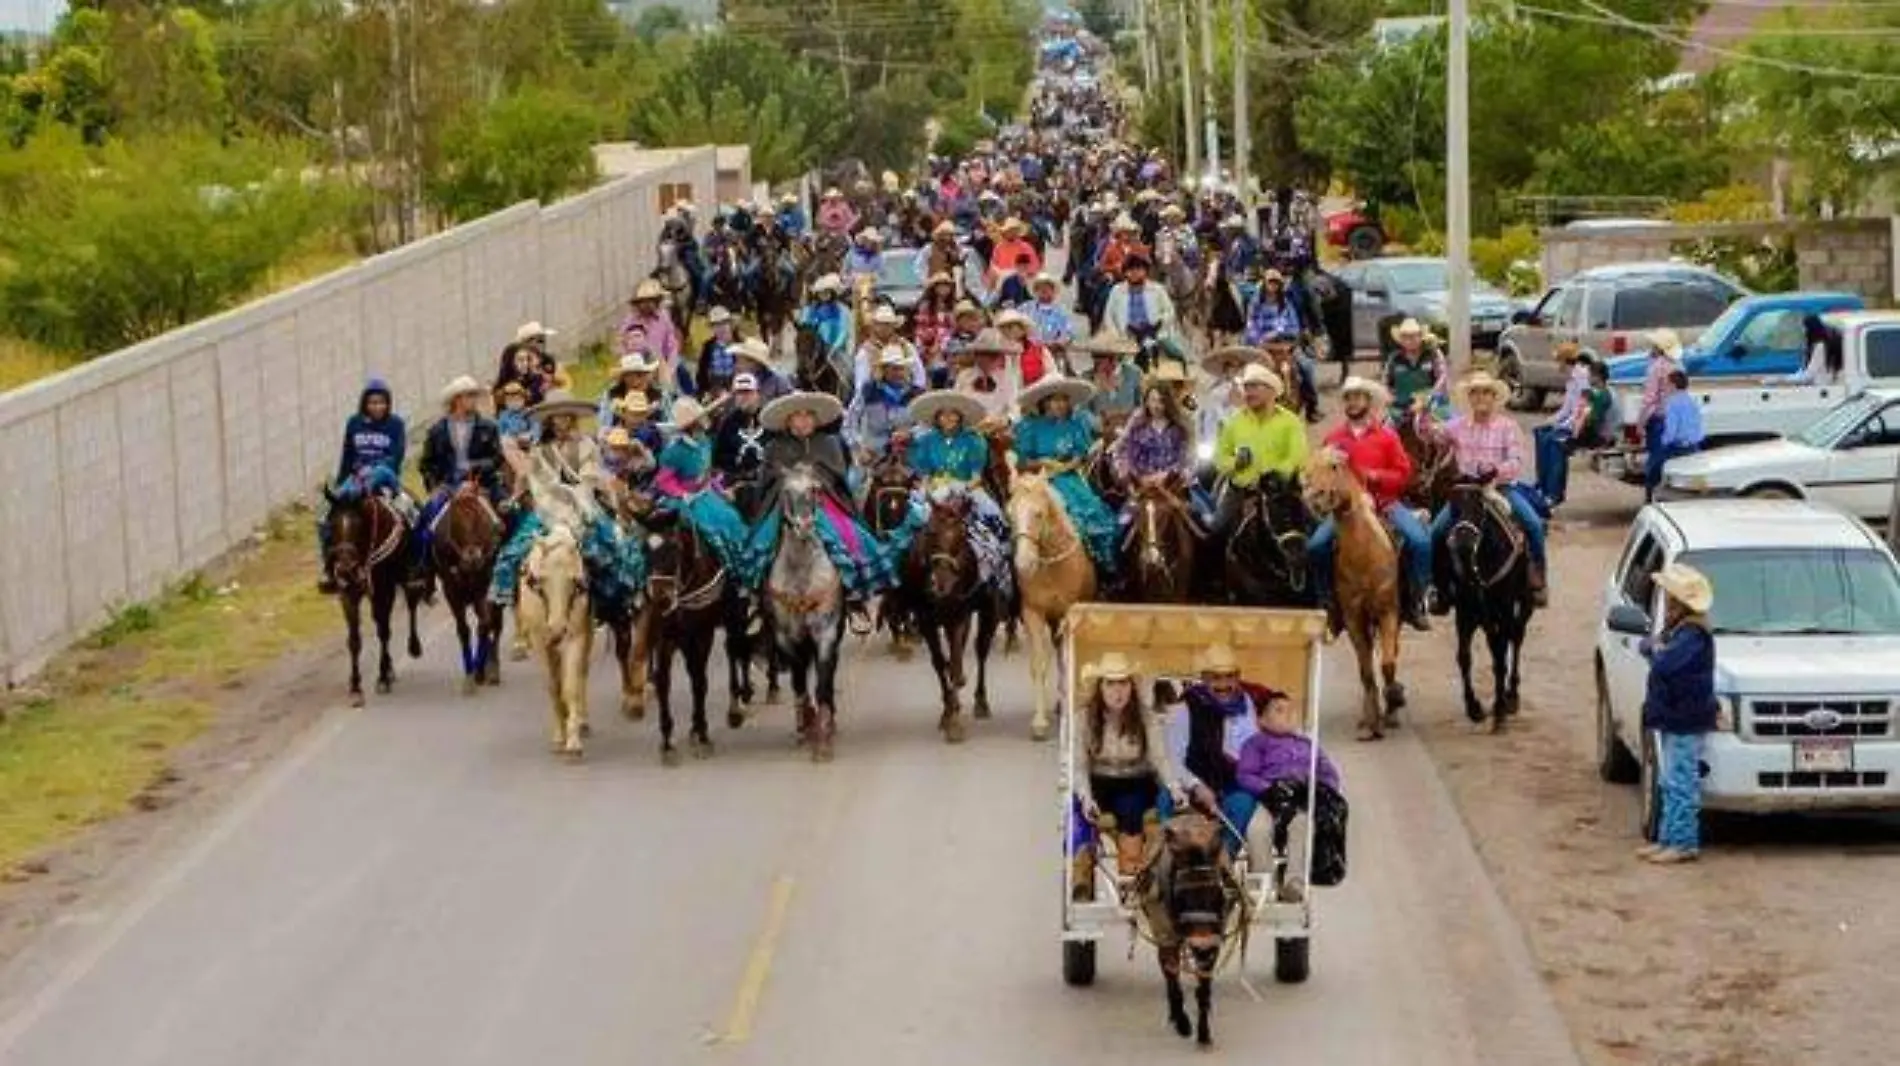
1274 766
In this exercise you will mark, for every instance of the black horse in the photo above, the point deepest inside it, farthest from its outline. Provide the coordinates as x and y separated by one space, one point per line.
942 592
369 558
687 594
1484 567
1264 558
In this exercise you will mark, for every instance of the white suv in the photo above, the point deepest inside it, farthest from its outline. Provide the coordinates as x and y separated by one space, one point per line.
1807 626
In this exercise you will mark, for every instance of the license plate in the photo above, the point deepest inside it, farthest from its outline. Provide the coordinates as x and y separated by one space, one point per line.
1823 756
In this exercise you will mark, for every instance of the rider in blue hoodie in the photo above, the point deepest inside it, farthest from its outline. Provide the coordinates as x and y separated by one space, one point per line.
374 440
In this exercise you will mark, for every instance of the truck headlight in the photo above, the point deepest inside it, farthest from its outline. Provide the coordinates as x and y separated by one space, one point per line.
1728 712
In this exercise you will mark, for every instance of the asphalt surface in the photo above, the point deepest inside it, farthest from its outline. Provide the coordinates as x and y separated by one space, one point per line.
422 882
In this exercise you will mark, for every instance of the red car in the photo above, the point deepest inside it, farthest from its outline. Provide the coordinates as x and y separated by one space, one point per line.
1359 233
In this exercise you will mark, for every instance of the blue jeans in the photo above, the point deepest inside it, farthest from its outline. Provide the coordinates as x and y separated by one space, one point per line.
1237 805
1415 551
1553 462
1679 775
1655 458
1309 388
1521 509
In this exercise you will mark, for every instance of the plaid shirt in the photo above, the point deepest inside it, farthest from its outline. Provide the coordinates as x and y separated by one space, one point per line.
1491 445
1655 388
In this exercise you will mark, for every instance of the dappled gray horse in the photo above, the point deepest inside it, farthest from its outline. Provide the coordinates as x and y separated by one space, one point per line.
804 597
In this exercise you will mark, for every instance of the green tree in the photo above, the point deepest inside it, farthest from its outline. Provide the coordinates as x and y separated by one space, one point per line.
660 21
1101 17
532 145
731 89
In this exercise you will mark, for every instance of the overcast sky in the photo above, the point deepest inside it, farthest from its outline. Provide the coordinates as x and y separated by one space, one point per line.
29 14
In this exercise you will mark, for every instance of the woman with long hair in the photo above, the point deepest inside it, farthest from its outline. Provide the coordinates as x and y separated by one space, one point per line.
1121 768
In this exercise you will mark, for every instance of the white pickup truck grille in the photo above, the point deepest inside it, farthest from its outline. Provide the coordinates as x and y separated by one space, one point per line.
1847 717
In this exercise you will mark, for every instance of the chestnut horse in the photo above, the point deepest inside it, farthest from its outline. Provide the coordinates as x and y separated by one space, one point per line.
369 557
1053 573
467 537
1365 583
1434 464
943 592
1159 545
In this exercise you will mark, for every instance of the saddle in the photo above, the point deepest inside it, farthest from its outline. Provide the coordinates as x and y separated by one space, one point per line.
1498 509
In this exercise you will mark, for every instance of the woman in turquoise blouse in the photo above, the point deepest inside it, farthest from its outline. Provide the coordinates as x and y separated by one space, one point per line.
949 459
1052 436
684 481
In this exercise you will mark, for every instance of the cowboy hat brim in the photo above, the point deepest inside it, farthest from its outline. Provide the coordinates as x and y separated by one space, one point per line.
824 409
925 408
552 408
1077 391
1243 354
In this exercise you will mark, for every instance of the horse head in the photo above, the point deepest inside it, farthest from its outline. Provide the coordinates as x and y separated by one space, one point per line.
945 543
1330 484
1479 542
1035 516
350 540
1195 888
1274 520
555 572
798 501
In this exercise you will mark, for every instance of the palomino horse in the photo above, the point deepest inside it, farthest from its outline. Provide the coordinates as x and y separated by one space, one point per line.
1053 573
686 606
467 536
804 595
1159 546
1264 562
1490 590
943 591
554 611
1434 463
368 557
1365 583
1190 897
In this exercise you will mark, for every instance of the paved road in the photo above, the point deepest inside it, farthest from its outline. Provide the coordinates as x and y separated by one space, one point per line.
420 882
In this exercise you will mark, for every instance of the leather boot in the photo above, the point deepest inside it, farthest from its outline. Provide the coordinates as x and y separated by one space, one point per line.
1412 609
1082 876
1540 596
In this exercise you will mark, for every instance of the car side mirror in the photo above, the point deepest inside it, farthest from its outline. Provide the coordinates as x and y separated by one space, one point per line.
1375 292
1523 318
1628 620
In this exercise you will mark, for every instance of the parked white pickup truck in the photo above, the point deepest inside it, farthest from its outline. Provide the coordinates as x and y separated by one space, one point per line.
1739 410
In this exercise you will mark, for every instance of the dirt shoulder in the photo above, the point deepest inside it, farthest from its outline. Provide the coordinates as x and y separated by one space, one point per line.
1770 950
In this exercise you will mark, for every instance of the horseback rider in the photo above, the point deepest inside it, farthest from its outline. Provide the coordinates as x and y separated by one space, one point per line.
1111 257
645 315
993 382
739 440
717 361
678 229
528 361
932 323
1011 247
1156 445
944 255
1260 438
1137 309
1222 397
827 316
877 424
625 463
1378 459
684 482
1275 319
1174 229
1114 377
634 374
866 256
1033 360
836 216
512 419
1488 447
1416 370
755 359
463 449
374 439
881 336
634 413
1050 322
1056 439
948 456
866 564
791 215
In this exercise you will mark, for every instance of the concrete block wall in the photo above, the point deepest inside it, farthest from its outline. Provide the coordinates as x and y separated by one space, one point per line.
1852 255
120 476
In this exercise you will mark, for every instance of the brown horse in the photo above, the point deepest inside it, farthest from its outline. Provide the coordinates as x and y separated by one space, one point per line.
369 557
1434 464
1159 545
886 507
1190 898
467 536
1053 573
943 592
687 589
1365 583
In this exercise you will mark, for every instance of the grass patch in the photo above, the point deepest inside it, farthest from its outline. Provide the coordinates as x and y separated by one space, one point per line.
100 727
22 362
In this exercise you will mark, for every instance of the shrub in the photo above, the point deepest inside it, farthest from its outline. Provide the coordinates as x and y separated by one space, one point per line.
532 145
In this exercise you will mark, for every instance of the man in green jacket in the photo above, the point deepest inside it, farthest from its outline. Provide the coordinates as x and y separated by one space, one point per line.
1259 439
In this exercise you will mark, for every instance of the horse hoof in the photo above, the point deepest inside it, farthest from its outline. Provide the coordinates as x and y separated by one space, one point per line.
468 686
953 730
383 687
1394 699
735 718
572 752
1205 1041
773 697
821 752
1475 713
981 710
633 708
415 649
670 757
702 749
1391 719
1183 1028
518 653
587 730
1039 731
356 699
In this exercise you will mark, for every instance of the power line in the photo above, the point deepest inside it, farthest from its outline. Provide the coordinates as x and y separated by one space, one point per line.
1769 32
1745 57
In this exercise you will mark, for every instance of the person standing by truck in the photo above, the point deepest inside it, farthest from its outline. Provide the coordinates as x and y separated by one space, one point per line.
1681 432
1679 709
1665 352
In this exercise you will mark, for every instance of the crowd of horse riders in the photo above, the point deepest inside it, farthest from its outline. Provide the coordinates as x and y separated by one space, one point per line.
1172 476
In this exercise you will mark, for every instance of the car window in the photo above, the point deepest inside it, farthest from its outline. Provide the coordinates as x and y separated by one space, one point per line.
1673 302
1598 308
1766 591
1570 308
1773 331
1880 431
1883 353
1639 570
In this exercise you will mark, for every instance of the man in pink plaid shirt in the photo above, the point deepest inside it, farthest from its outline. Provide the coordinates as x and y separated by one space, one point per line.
1488 444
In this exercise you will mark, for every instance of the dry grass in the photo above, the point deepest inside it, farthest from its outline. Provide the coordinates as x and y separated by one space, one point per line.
22 362
98 729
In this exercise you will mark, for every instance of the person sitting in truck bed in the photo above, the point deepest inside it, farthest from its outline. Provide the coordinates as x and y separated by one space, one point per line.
1681 431
1825 356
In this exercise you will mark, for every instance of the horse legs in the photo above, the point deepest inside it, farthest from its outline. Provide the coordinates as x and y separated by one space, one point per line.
1170 956
1389 666
825 720
381 606
1499 640
698 652
415 638
459 611
663 691
489 617
738 662
985 640
1473 709
1041 650
1203 1006
557 698
798 662
574 651
518 651
1371 723
353 619
950 723
634 665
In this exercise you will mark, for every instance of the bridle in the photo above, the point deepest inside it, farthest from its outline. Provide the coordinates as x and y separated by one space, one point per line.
1045 529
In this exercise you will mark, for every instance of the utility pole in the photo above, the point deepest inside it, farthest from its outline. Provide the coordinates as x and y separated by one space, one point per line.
1210 114
1147 47
1188 116
844 64
1458 185
1243 137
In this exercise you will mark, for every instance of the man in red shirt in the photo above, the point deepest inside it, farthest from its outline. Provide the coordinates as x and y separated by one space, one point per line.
1373 450
1009 250
1034 361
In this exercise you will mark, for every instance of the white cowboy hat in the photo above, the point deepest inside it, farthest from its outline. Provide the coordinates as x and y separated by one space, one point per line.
893 355
1146 195
462 386
562 402
789 199
1257 374
1482 381
1110 343
1216 361
833 193
636 363
634 403
1013 317
1687 586
1045 278
886 315
1173 211
925 408
870 236
531 330
754 349
687 413
1233 222
1077 390
1371 389
966 306
828 283
946 228
766 211
718 315
1112 666
992 342
1411 328
1125 223
1665 341
822 406
1219 659
648 290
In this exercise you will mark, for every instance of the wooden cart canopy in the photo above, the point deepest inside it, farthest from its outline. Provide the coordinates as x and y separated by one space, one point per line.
1274 646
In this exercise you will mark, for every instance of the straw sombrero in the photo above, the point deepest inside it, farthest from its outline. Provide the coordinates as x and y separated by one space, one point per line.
648 290
1687 586
1482 381
1258 374
1215 361
925 408
636 363
634 403
1219 659
1112 666
1168 372
1077 390
1111 344
1374 391
754 349
823 407
562 402
1013 317
992 342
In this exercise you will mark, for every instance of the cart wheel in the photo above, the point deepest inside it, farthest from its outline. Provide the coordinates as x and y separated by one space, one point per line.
1078 963
1292 960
